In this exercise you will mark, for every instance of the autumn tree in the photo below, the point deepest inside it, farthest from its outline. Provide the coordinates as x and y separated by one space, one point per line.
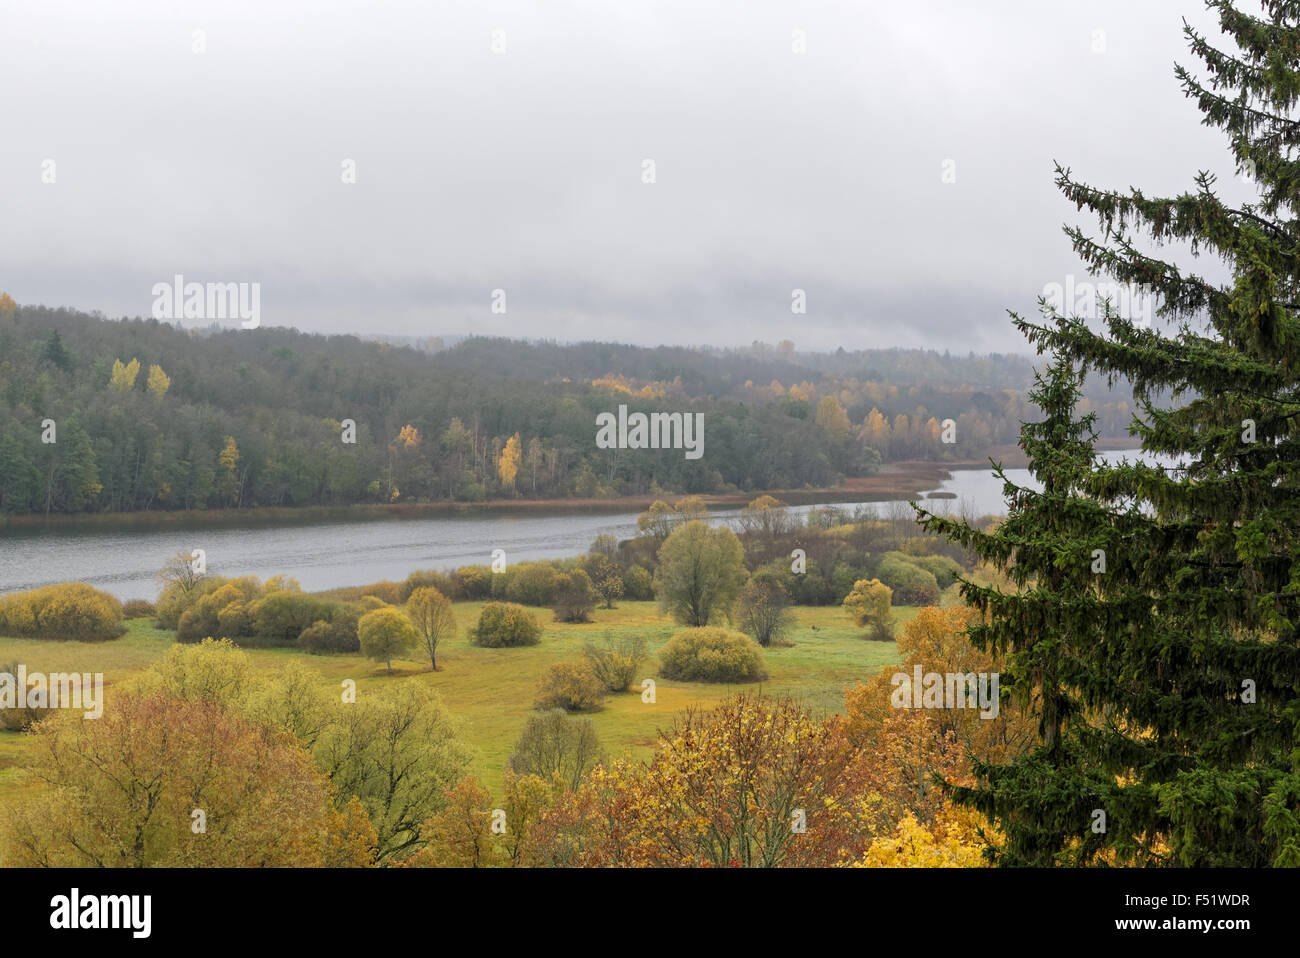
158 382
398 751
868 604
832 418
434 620
700 572
385 633
460 835
158 781
228 460
508 464
526 798
762 609
738 785
605 575
661 518
937 640
123 378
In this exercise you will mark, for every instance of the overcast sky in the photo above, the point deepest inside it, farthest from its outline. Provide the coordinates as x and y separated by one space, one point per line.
522 169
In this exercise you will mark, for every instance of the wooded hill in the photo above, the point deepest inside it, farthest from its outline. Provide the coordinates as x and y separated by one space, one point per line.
150 416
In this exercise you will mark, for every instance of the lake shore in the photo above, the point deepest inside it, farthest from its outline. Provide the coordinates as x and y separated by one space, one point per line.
900 480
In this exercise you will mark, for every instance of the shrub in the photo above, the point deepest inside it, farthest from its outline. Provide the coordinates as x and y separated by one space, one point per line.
279 618
233 621
336 635
638 584
615 663
912 585
368 603
845 574
69 610
554 746
137 609
390 592
809 587
532 583
571 686
203 619
19 719
711 654
472 582
574 597
177 599
944 569
428 579
505 624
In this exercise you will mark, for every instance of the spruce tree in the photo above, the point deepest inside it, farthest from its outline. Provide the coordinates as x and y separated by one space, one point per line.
1167 685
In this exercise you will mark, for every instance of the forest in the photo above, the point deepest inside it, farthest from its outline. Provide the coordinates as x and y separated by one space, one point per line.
129 415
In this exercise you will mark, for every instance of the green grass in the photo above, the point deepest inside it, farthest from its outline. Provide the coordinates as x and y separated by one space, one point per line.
491 691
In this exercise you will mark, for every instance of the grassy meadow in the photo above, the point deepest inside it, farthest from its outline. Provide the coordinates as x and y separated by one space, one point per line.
491 691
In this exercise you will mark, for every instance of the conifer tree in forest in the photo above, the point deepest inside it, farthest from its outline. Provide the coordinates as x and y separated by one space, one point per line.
1153 620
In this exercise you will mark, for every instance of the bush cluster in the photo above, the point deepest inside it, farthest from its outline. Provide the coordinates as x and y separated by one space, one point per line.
503 624
69 610
248 612
711 654
571 686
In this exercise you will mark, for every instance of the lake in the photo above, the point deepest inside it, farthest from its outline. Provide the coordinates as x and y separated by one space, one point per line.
330 555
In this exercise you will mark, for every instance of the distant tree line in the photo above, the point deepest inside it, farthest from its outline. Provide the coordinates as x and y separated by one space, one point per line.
132 415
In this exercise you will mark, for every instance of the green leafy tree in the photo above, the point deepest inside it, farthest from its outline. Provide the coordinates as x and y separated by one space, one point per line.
398 750
385 633
700 572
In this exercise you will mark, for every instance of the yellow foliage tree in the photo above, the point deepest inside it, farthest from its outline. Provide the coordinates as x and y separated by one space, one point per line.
124 376
508 465
7 305
935 639
229 461
229 457
461 834
951 840
408 438
832 418
869 604
875 430
122 792
159 382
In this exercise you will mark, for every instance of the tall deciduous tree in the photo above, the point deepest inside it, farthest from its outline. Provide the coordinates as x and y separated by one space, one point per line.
700 572
431 613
